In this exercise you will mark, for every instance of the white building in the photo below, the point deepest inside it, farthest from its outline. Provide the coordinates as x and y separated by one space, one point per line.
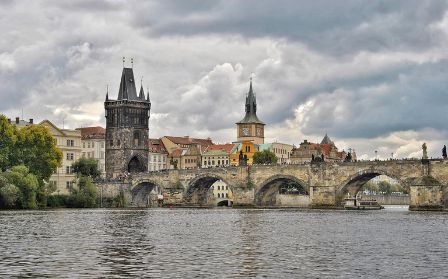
93 145
158 156
69 142
281 150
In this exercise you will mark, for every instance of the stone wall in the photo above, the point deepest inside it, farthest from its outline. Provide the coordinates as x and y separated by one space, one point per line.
283 200
390 199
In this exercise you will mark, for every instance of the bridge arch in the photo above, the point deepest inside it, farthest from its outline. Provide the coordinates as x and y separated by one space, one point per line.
267 192
143 192
354 183
197 189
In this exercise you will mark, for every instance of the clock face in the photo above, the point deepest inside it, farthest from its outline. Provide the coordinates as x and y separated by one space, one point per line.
245 131
259 134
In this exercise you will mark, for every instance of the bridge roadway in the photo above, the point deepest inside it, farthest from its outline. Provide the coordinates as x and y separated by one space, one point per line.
325 184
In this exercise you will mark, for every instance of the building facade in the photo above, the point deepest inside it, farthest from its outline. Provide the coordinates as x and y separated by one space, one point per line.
247 149
326 151
93 141
250 128
281 150
185 152
69 142
158 156
217 155
127 129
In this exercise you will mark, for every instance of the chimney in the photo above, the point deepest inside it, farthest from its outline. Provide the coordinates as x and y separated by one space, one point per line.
31 121
17 120
9 120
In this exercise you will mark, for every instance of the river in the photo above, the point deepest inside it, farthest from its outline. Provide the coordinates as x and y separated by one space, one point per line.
223 243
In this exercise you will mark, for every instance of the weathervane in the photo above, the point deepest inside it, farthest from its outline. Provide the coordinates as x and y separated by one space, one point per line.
132 62
124 59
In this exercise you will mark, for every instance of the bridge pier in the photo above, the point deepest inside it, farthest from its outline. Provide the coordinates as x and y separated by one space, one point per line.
322 196
243 197
426 194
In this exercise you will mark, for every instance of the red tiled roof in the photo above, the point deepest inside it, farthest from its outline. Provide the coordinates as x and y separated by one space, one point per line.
156 146
224 147
92 132
176 153
189 141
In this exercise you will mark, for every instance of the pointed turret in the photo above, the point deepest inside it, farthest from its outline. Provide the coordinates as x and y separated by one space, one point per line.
142 93
251 107
127 86
326 140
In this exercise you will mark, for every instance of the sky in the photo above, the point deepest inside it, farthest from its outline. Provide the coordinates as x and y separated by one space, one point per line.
371 74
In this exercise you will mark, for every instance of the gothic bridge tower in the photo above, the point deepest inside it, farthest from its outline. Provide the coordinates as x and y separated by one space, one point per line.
127 128
250 128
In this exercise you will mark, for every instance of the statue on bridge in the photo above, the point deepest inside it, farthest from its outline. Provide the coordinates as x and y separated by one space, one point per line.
444 152
242 159
348 158
425 152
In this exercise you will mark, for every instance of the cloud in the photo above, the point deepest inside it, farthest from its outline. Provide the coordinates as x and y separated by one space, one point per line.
371 74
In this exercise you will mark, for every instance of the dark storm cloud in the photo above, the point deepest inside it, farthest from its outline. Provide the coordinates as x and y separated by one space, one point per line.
415 100
339 27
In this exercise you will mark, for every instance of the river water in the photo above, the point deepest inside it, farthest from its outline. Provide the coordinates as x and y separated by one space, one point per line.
223 243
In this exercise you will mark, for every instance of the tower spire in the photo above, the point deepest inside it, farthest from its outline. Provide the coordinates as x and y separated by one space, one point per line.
107 92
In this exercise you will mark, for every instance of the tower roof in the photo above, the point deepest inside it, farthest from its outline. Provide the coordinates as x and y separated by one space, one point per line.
251 108
127 86
326 140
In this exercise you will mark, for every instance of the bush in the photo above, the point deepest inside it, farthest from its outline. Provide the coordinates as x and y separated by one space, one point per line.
57 201
85 196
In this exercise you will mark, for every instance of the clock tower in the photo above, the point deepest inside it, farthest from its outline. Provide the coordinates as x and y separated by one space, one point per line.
250 128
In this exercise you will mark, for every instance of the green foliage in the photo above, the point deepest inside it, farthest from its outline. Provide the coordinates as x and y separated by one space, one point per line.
7 141
9 194
29 150
87 167
36 148
57 201
85 196
26 183
265 157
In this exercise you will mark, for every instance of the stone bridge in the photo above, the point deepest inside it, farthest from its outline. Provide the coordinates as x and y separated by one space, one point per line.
324 185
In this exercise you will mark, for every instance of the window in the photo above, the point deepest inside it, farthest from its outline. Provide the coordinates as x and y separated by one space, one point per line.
102 155
69 184
227 195
102 144
219 187
136 138
70 143
69 170
83 145
70 156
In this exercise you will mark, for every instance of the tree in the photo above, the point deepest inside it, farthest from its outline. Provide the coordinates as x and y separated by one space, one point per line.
9 194
7 141
385 187
265 157
87 167
37 149
85 196
26 182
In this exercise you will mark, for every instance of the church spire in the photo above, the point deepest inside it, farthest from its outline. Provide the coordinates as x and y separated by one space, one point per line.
251 107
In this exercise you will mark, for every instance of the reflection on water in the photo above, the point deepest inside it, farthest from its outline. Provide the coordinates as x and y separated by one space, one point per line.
155 243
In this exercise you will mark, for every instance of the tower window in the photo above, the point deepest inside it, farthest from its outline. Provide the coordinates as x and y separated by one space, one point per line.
136 138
